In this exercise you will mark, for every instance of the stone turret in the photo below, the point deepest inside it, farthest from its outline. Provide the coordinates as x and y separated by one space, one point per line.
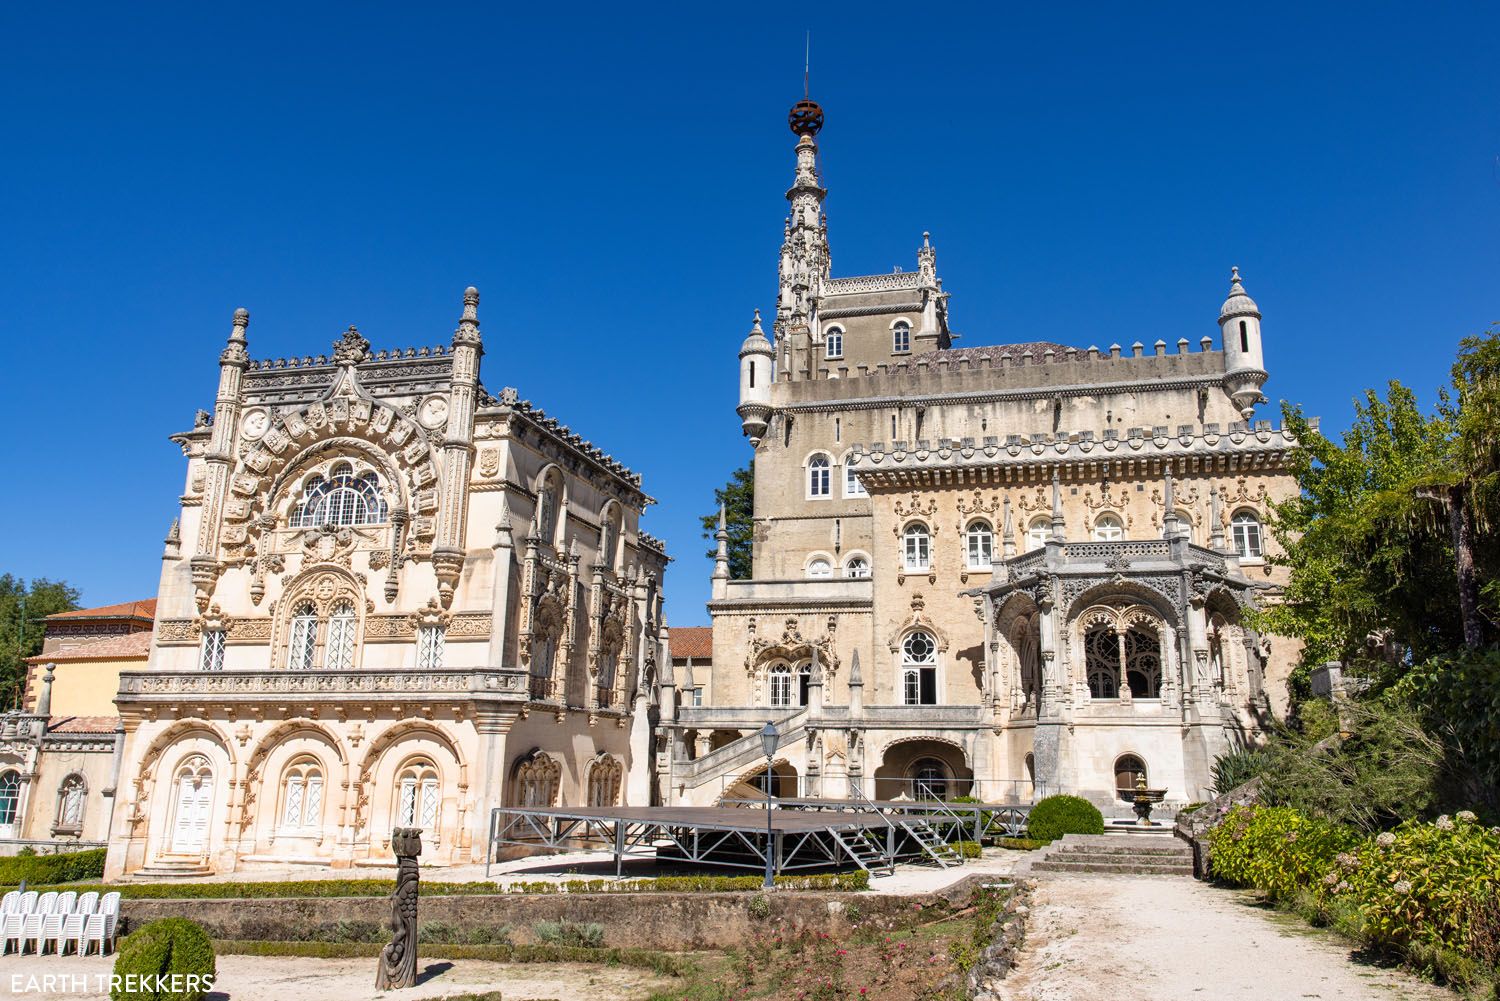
757 369
1244 364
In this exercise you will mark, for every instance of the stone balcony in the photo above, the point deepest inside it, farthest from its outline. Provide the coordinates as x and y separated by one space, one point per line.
154 690
770 594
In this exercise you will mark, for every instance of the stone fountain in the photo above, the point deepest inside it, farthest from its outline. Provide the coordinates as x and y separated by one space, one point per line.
1144 800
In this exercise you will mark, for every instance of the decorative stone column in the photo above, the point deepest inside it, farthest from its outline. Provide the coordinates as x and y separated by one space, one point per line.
457 450
218 461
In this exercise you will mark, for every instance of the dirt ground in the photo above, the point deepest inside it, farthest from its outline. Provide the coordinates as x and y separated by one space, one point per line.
249 978
1173 939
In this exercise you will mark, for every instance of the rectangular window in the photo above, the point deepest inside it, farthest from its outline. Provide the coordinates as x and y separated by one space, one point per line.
919 686
781 688
430 646
211 654
852 486
698 696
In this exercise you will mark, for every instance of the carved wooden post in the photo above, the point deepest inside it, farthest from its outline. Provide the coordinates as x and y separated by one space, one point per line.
398 960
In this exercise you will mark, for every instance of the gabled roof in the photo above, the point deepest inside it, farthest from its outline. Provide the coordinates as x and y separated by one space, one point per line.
144 609
696 642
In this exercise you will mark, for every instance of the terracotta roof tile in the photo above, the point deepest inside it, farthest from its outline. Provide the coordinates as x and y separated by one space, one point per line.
144 609
125 645
696 642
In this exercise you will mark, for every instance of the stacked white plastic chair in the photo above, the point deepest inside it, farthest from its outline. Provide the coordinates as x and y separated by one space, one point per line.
100 926
72 923
31 926
13 922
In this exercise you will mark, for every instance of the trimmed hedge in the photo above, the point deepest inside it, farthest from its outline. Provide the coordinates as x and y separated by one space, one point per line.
648 959
968 849
838 882
48 870
1055 816
167 960
1021 844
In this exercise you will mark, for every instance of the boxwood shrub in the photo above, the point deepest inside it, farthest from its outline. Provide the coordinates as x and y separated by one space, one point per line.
46 870
1055 816
167 960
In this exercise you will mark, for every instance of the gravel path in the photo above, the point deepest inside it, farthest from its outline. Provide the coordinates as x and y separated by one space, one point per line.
1172 939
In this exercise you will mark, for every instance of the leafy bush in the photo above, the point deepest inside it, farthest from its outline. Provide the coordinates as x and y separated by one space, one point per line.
830 882
1055 816
47 870
1276 850
664 963
1421 882
1021 844
1234 768
167 960
968 849
570 933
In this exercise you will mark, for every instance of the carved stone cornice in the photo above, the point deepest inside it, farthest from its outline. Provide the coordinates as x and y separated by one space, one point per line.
139 689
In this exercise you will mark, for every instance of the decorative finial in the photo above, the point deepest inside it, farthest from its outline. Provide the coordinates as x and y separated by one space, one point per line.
471 296
806 118
926 238
1234 275
242 317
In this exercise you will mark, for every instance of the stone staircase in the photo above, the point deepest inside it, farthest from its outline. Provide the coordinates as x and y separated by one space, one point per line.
1131 855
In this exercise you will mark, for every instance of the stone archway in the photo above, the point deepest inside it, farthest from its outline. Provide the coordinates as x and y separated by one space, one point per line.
923 768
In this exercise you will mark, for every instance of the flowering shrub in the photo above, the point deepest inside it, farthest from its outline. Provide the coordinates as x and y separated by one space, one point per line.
1427 891
1421 882
1277 850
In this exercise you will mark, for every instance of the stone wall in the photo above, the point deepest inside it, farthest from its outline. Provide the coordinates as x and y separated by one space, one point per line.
669 921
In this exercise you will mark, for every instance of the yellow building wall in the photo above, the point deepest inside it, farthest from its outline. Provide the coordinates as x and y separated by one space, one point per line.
83 687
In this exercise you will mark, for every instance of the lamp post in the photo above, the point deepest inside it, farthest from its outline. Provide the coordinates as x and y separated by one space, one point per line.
768 739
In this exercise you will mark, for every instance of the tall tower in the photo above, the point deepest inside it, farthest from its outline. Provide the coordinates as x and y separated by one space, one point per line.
1244 365
804 248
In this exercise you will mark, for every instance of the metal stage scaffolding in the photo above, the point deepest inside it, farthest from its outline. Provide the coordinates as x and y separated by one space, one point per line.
801 835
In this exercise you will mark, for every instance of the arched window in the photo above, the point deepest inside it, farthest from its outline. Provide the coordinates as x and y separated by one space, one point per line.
1244 337
538 777
929 779
901 338
1143 663
548 496
833 341
195 796
819 568
1245 526
302 795
1101 647
303 641
543 654
780 677
1184 526
10 801
857 567
819 482
417 796
339 655
916 548
919 670
211 650
430 641
1107 528
1038 532
979 545
341 499
609 670
804 682
852 486
609 536
1129 772
70 801
604 782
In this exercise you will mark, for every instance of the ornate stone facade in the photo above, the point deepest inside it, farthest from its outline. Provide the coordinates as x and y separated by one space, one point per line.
1001 570
388 594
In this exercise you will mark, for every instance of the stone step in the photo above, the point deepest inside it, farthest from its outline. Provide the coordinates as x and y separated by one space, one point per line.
1131 851
1124 868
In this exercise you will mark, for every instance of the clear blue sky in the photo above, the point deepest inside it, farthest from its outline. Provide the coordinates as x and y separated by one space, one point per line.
613 181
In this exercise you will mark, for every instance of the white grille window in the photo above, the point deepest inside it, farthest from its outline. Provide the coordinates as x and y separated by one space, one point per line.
781 686
900 338
340 652
1037 533
818 477
919 670
430 646
979 545
1107 528
916 553
1245 527
834 342
211 653
429 803
852 486
858 567
304 638
819 568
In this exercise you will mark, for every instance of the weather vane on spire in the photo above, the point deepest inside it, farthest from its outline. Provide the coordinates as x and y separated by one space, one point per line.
806 116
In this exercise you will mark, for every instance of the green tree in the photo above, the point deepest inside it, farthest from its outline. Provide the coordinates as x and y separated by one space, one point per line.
18 639
737 497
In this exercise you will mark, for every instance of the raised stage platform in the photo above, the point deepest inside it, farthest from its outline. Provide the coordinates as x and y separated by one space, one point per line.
799 835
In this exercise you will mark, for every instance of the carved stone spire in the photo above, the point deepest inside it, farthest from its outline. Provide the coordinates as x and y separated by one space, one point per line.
1008 539
1215 519
805 258
173 547
1058 525
721 556
457 449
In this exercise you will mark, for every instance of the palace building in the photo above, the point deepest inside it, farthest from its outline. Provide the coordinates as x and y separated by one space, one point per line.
1004 570
390 599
